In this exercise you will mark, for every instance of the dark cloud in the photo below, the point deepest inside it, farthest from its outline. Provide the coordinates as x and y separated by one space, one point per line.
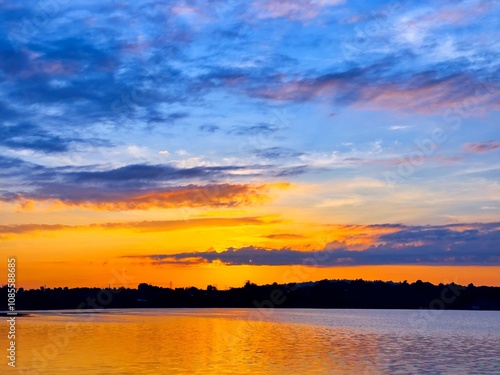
98 175
152 173
430 234
139 186
27 136
277 153
292 171
143 185
7 162
255 130
167 119
411 245
209 128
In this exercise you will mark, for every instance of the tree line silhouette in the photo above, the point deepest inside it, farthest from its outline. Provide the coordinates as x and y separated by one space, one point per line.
356 294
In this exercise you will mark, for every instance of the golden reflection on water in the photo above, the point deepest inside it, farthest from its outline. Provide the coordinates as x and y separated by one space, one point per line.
240 341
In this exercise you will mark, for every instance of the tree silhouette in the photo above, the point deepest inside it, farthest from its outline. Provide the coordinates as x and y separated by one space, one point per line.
321 294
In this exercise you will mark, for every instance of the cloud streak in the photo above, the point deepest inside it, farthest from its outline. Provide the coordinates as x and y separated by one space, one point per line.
479 148
427 92
14 231
299 10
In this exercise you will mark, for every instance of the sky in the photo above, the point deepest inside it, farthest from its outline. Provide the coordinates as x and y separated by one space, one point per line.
200 142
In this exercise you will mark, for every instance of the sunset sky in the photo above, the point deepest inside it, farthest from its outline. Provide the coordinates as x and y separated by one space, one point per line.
212 142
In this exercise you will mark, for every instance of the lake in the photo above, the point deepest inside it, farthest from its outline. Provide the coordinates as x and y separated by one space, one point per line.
257 341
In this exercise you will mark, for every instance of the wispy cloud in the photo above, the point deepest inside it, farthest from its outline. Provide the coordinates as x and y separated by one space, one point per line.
299 10
477 148
285 236
16 230
371 87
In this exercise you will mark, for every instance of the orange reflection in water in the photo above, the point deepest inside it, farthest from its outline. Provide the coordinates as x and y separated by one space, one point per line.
255 341
236 342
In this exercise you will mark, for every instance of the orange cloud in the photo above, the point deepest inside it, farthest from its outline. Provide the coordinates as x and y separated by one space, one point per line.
190 196
8 231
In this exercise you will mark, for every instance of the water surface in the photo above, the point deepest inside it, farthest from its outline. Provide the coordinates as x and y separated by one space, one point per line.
254 341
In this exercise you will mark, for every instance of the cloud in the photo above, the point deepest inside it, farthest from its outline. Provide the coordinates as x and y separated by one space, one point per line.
371 87
209 128
18 229
194 184
215 195
243 256
254 130
465 244
284 236
139 186
341 201
477 148
15 230
7 162
277 153
399 127
167 118
144 172
27 136
299 10
458 14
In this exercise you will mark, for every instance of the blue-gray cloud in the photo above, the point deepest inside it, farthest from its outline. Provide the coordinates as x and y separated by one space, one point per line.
132 186
442 245
27 136
262 129
277 153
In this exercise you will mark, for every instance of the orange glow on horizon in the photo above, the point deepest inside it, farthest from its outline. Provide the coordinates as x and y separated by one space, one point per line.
86 254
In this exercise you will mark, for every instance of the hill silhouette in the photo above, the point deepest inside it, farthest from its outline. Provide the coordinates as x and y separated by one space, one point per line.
357 294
